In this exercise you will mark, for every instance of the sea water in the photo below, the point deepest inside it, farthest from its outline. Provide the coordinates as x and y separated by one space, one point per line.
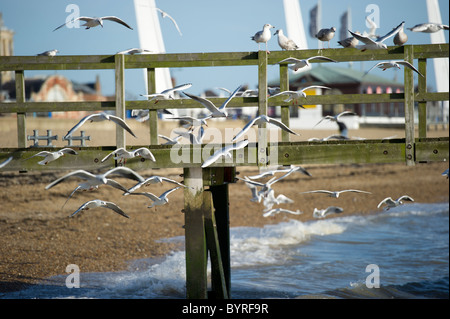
400 253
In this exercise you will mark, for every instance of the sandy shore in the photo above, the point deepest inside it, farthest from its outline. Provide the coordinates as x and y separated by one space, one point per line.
39 239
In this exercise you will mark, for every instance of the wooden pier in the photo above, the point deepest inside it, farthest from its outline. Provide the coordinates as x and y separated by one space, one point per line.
206 200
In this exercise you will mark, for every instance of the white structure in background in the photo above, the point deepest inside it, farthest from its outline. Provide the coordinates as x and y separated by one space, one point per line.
440 65
307 118
150 38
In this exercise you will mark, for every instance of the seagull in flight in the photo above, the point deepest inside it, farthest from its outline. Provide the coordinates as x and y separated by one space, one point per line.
270 200
225 152
97 117
215 111
370 44
164 14
100 203
5 162
301 63
170 141
281 210
336 117
157 201
153 180
390 203
294 95
322 213
195 140
52 156
263 36
428 27
394 64
134 51
167 94
122 154
95 22
284 170
263 119
335 194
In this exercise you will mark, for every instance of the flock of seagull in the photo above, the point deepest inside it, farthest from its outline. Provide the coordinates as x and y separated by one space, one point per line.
260 191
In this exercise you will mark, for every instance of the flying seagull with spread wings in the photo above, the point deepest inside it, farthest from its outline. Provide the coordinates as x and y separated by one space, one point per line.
370 44
95 22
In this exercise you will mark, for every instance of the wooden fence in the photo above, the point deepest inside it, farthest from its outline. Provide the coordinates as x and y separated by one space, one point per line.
206 212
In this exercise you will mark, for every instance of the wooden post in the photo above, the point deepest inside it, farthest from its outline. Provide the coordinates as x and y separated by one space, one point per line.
120 97
409 107
262 108
195 238
285 112
153 114
21 117
423 105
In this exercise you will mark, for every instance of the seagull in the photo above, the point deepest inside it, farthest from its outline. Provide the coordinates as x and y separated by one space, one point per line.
263 36
281 210
335 194
294 95
167 94
401 37
326 35
284 42
157 201
164 14
48 53
122 154
285 170
336 117
97 117
94 22
100 203
298 64
256 196
152 180
94 181
428 27
134 51
195 140
144 115
225 152
350 42
215 112
394 64
170 141
52 156
322 213
370 44
5 162
263 119
390 203
270 200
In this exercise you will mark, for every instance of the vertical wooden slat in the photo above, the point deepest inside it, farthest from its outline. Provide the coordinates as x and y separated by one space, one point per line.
285 113
262 108
21 117
409 107
423 105
120 97
153 114
195 238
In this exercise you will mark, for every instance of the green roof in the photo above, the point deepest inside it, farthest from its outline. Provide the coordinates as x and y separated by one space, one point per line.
338 75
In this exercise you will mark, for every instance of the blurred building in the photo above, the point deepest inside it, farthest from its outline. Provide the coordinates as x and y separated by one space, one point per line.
6 49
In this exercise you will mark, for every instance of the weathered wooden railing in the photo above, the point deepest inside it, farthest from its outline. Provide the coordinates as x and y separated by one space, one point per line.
206 212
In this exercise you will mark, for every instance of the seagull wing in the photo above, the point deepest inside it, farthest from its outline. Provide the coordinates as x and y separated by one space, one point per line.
246 128
166 193
178 88
165 14
116 19
315 87
289 60
68 151
145 153
281 125
173 181
80 123
354 191
318 191
115 208
224 151
405 197
362 38
79 173
322 58
84 206
393 32
344 113
125 172
379 63
73 20
229 98
122 123
42 154
409 65
115 184
387 200
206 103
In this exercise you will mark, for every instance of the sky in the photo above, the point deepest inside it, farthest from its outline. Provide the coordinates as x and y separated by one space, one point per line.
206 25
